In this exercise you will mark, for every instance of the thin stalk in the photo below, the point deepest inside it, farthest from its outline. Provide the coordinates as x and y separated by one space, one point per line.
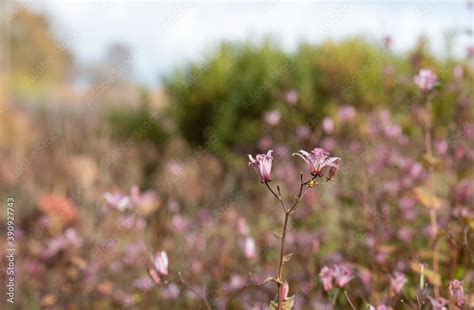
433 216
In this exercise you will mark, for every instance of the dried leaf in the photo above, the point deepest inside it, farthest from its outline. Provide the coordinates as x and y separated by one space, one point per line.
287 257
277 235
426 198
433 277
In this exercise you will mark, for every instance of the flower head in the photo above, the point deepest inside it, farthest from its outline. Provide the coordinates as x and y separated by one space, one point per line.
397 281
326 275
319 161
456 289
342 274
262 165
426 80
272 118
291 97
159 266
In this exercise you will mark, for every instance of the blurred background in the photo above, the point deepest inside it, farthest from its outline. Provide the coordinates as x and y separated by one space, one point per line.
125 128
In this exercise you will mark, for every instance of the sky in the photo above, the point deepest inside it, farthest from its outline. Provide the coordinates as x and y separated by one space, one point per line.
166 35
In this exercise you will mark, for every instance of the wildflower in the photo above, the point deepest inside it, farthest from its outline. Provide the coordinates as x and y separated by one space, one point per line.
319 159
346 113
249 248
326 275
470 51
426 80
328 125
456 289
439 303
343 275
272 118
387 41
397 281
303 132
160 266
262 165
458 72
291 97
118 201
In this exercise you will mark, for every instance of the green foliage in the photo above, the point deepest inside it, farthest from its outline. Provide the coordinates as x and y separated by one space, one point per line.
137 124
224 97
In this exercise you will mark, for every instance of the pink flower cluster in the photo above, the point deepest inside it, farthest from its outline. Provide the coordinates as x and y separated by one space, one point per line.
318 160
340 273
426 80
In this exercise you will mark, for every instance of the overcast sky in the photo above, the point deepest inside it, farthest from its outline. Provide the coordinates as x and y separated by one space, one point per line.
166 34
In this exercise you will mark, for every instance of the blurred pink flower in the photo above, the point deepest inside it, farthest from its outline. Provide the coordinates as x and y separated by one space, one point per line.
405 234
291 97
456 289
272 118
143 200
265 143
262 165
249 249
342 274
242 227
426 80
171 291
159 266
470 51
397 281
328 125
458 72
346 113
303 132
387 41
117 201
438 303
318 160
326 275
441 147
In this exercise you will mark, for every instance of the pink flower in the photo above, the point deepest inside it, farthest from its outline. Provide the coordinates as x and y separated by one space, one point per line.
303 132
291 97
159 266
249 248
470 51
328 125
346 113
272 118
387 41
458 72
326 275
438 303
117 201
262 165
318 160
456 289
397 281
342 274
426 80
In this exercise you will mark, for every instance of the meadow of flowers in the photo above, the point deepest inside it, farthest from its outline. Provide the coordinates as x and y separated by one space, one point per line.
337 177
